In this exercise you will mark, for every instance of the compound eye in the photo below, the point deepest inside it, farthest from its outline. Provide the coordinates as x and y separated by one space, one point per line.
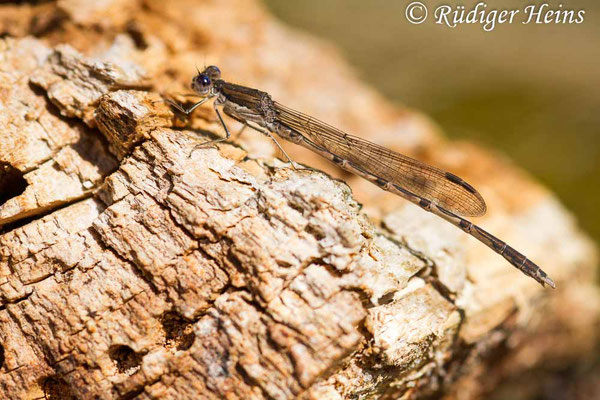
214 72
204 80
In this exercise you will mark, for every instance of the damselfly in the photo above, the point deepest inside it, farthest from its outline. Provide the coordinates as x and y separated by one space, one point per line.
439 192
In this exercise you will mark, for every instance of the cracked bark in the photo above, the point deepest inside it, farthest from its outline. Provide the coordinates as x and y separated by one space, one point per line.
130 270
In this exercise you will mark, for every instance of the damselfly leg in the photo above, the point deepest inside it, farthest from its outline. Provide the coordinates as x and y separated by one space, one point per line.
212 142
186 111
267 133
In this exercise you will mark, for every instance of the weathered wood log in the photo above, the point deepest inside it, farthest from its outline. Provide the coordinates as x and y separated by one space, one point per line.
132 269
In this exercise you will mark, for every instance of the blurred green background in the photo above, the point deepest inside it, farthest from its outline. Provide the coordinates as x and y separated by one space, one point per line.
529 91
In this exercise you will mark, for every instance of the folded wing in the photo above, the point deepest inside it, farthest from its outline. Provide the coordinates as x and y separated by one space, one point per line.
442 188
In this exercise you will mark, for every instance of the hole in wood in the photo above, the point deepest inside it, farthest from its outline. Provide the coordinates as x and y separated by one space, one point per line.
56 388
316 231
386 298
133 394
179 332
137 35
12 183
126 360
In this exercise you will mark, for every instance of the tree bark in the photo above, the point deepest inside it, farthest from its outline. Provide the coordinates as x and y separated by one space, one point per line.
132 267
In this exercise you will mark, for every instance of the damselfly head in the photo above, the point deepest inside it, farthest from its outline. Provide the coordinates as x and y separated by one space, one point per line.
203 82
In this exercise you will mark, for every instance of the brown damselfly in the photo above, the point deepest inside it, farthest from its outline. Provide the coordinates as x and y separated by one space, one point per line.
439 192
